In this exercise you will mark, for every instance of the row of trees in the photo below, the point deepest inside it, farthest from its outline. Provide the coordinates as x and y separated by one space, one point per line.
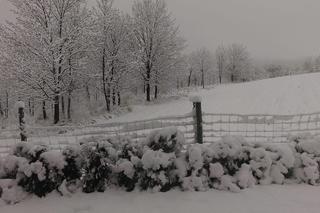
59 55
57 50
228 64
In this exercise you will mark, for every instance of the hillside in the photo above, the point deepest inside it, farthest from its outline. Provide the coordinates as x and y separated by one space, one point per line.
283 95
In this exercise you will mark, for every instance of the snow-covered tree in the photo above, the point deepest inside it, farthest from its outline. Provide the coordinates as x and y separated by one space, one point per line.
156 42
238 62
201 66
111 55
41 45
221 61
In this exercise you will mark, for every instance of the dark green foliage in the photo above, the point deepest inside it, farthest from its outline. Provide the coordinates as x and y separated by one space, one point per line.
72 170
128 183
168 140
53 178
97 168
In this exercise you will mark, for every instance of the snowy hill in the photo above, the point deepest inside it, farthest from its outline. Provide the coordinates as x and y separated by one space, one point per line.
284 95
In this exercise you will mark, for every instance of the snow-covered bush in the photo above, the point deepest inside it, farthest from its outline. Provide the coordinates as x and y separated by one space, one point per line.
73 159
307 162
97 167
196 177
129 164
157 170
44 175
128 173
231 152
28 151
158 163
169 140
283 160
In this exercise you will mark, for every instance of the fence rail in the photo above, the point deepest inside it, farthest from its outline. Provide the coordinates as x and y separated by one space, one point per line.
253 127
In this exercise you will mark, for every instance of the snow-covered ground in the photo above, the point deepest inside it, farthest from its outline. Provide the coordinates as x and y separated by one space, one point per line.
261 199
284 95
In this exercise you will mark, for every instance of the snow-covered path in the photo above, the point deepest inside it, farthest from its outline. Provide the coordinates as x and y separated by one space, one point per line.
284 95
261 199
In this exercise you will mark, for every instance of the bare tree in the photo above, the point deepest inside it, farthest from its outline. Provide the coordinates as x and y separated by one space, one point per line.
41 42
201 63
221 60
238 62
156 40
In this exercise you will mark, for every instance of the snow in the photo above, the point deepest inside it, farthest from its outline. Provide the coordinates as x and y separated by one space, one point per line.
54 159
244 177
195 99
20 104
127 168
284 95
195 157
262 199
156 159
216 170
311 146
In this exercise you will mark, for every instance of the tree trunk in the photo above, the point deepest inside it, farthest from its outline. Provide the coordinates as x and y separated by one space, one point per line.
104 81
62 107
58 80
22 124
7 104
88 93
189 78
1 110
44 112
202 78
156 91
148 89
33 106
114 102
56 109
69 107
29 106
119 98
148 92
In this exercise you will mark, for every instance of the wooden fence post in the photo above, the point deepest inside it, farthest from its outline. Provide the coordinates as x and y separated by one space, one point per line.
197 116
22 123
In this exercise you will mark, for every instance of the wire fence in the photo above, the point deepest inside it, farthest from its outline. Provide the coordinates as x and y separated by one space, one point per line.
61 136
253 127
260 127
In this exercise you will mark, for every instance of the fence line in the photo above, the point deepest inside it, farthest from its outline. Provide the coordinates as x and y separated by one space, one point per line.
260 127
253 127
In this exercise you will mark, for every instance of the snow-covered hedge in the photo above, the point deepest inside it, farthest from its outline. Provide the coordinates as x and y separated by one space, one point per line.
158 163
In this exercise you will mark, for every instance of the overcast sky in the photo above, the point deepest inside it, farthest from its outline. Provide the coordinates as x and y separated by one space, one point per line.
284 29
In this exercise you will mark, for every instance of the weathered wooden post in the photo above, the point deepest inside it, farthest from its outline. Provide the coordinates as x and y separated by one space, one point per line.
197 116
22 123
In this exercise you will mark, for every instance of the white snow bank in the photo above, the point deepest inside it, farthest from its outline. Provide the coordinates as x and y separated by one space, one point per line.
262 199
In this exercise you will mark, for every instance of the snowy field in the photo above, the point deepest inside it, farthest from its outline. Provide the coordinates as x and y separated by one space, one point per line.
284 95
260 199
287 95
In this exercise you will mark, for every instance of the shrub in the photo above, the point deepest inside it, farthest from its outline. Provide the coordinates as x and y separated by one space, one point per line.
169 140
96 168
43 176
158 164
